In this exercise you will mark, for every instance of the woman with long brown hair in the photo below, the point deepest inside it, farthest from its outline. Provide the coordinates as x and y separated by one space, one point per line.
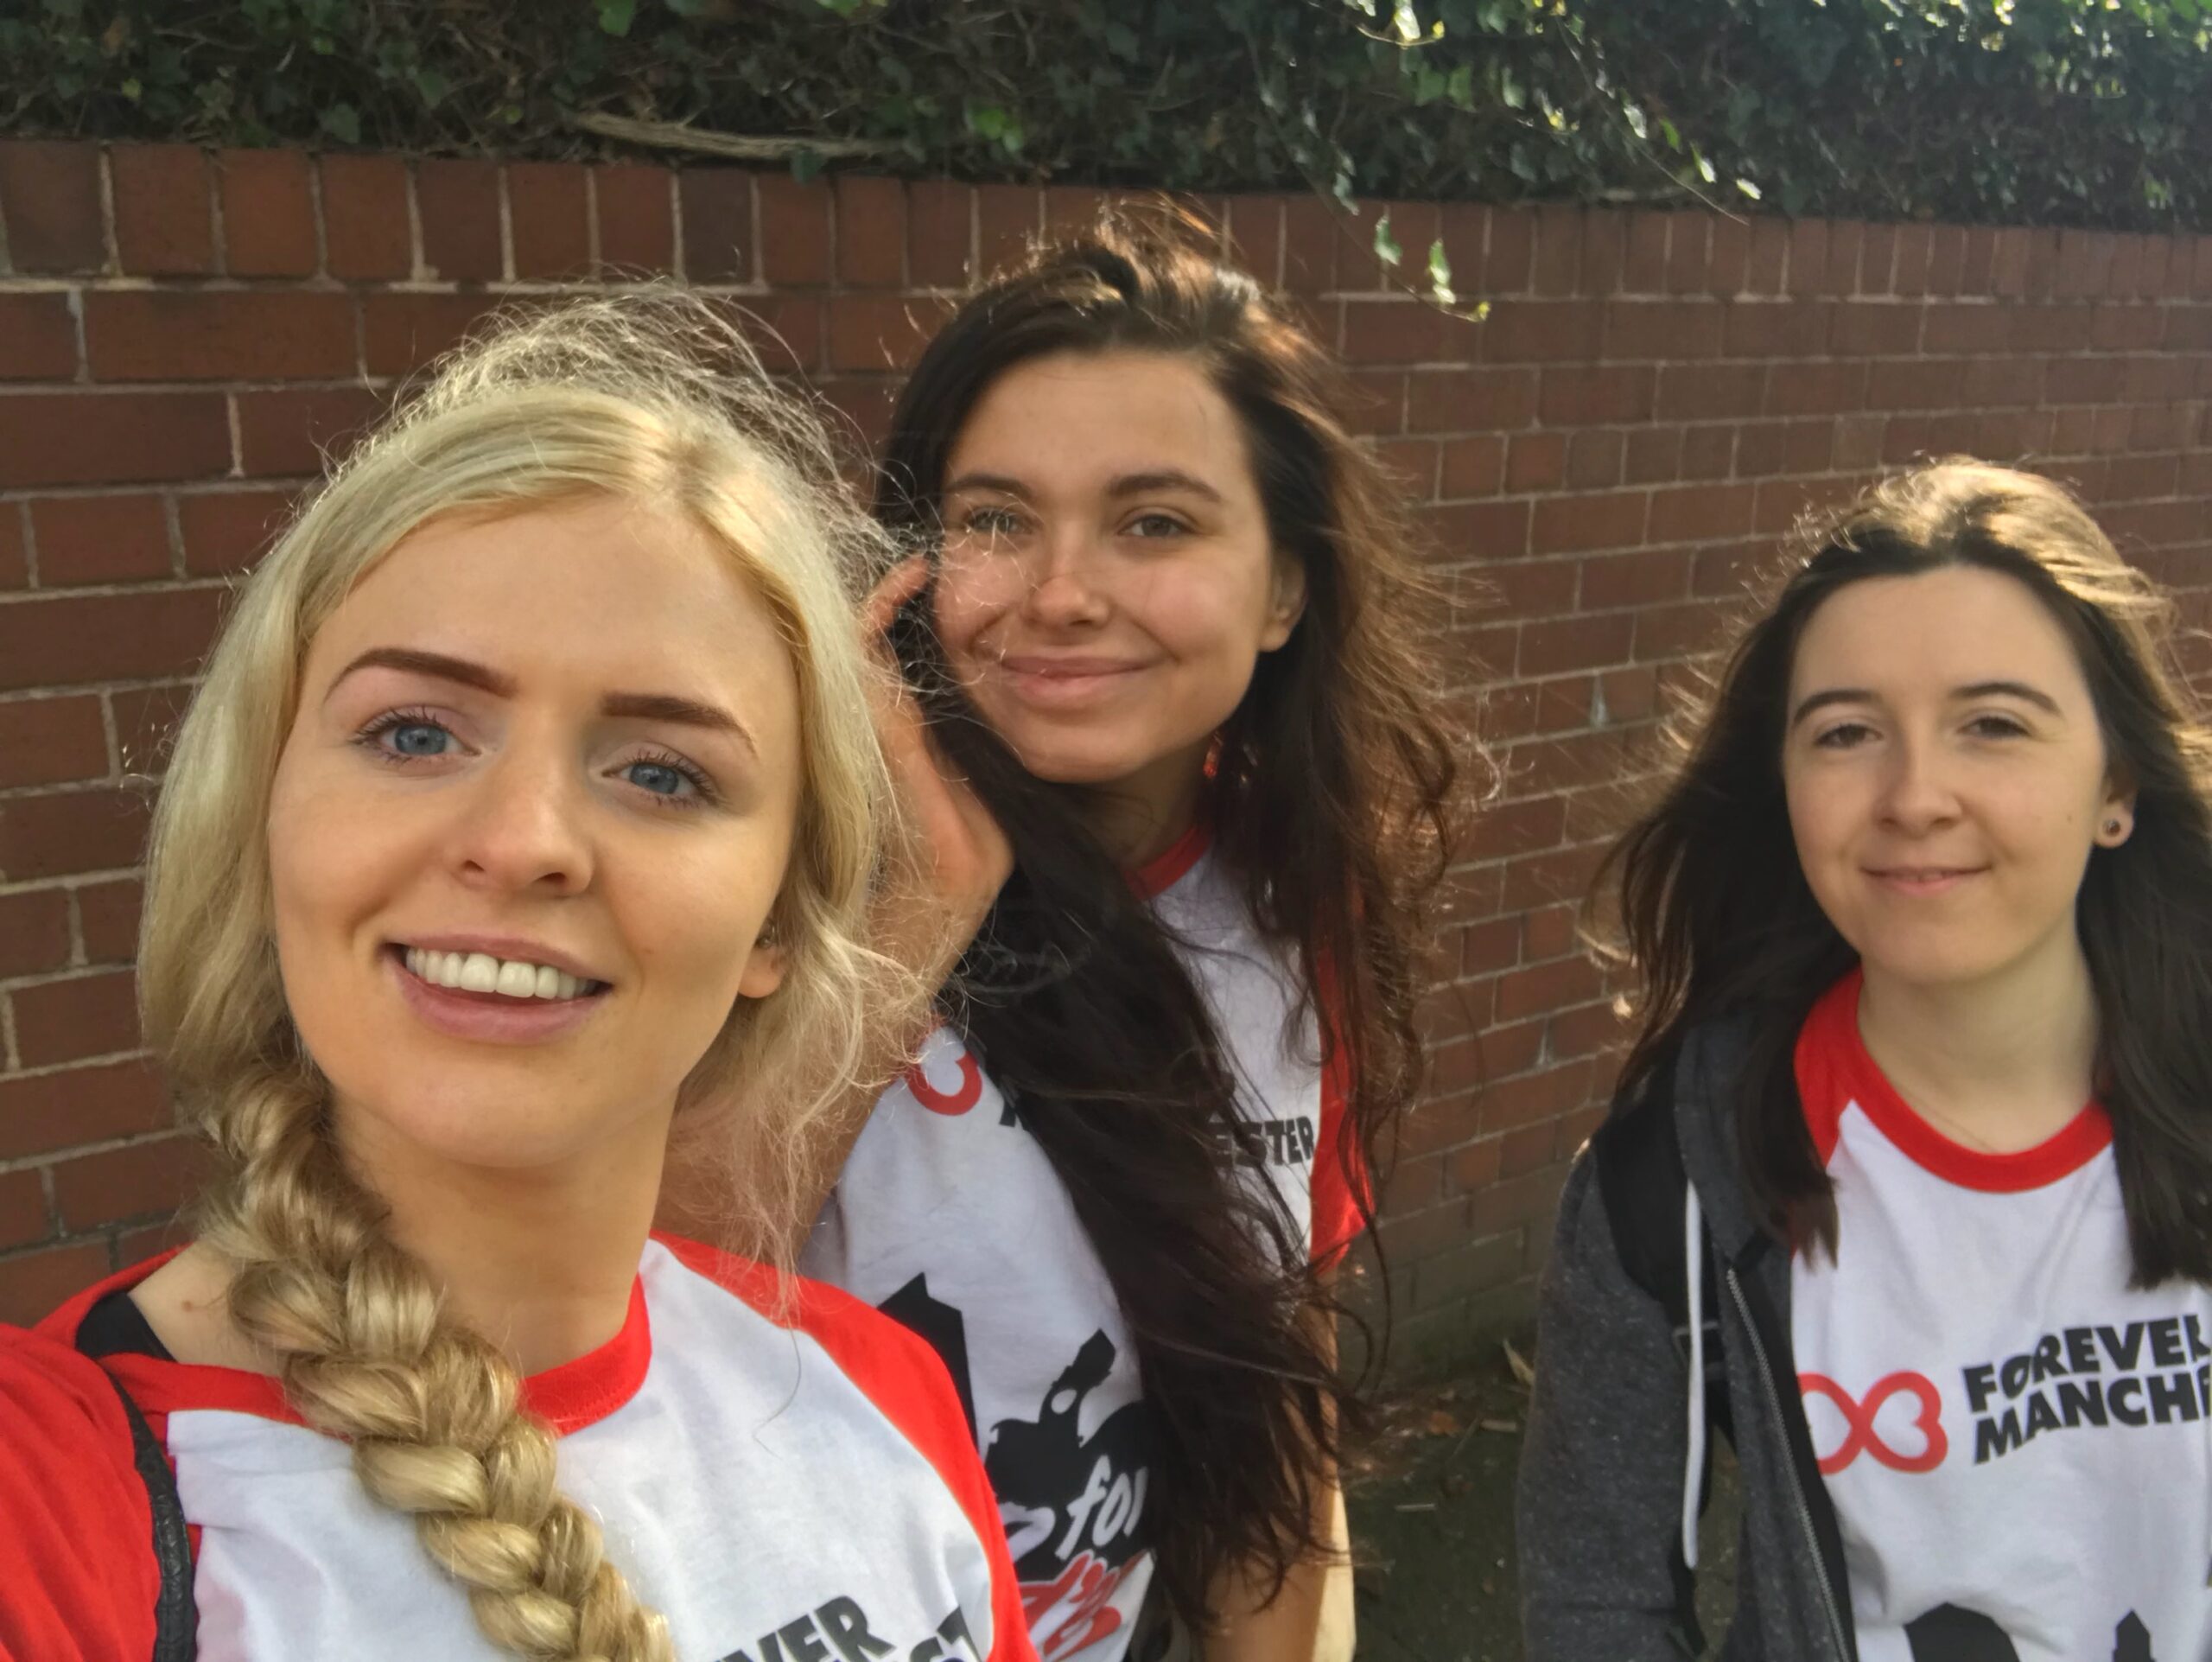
1165 639
1908 1189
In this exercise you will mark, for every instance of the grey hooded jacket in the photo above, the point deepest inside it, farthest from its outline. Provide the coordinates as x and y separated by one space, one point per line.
1609 1470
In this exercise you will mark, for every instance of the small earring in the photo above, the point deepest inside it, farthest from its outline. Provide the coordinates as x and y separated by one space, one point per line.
2111 828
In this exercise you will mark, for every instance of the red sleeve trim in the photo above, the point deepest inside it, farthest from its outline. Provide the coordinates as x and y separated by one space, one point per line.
1834 1070
1341 1179
906 1381
76 1528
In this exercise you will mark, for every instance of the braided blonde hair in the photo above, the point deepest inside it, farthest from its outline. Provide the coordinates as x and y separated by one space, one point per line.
652 398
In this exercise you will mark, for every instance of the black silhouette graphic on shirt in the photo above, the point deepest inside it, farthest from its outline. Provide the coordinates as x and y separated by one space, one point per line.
1947 1634
943 1328
1063 1493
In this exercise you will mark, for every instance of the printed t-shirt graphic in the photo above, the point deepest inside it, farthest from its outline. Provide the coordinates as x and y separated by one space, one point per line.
2015 1440
950 1216
799 1493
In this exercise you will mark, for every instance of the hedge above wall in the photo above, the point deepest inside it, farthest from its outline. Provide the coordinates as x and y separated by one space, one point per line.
2090 113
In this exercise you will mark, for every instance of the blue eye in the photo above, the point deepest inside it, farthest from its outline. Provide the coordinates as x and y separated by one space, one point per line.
657 777
404 736
420 739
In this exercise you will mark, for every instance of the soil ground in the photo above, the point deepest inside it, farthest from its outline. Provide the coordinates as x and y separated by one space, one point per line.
1434 1537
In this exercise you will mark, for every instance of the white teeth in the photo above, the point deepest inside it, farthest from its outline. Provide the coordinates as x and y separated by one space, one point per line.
481 972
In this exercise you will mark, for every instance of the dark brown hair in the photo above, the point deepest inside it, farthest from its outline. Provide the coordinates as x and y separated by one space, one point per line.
1718 919
1333 801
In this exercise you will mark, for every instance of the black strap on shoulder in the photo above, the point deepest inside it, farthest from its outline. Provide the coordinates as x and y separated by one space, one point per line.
1642 1185
175 1623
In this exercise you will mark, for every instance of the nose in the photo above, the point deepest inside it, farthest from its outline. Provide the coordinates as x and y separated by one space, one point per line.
1064 590
521 828
1917 796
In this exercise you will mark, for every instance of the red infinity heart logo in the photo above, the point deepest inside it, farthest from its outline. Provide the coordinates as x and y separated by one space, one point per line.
1862 1437
959 1101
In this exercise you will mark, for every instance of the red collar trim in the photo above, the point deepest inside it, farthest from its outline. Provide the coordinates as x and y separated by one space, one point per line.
1165 870
567 1398
1834 1068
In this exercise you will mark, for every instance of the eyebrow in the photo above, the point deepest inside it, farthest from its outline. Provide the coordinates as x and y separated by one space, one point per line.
632 706
1140 484
1814 701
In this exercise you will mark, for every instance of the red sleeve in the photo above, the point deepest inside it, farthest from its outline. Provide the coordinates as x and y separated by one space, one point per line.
906 1381
1340 1177
76 1529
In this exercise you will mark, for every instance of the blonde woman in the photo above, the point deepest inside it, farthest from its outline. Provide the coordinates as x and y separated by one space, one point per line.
530 805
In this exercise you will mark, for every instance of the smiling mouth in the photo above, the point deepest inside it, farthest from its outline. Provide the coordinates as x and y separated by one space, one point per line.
496 980
1922 876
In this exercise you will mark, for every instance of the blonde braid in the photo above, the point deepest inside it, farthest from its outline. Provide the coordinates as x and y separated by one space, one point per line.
433 1410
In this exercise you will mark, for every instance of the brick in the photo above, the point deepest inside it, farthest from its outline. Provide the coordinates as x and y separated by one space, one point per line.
97 438
2085 259
145 725
32 1283
72 639
458 199
1411 464
1708 452
717 205
1526 1149
1677 631
1815 389
1486 530
1785 328
52 742
198 335
50 202
1533 1097
1580 643
1508 828
1809 257
301 431
158 1175
635 206
1543 331
1916 243
1472 466
1643 578
2043 263
88 539
1377 404
269 226
940 227
1728 261
86 1016
1877 260
1392 331
1845 239
1072 210
365 229
1471 1269
1874 329
400 333
549 217
1686 253
1309 244
164 217
871 235
1657 329
1253 237
38 337
1947 259
1701 513
87 1104
1573 397
794 230
1968 327
1593 459
1769 256
1979 274
879 332
1535 461
24 1217
1706 391
1643 257
1605 246
1508 259
224 532
1527 589
1653 454
14 547
2008 268
1470 399
1558 253
34 927
107 915
786 330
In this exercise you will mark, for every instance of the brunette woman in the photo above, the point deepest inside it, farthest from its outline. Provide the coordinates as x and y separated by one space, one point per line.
1165 639
1907 1190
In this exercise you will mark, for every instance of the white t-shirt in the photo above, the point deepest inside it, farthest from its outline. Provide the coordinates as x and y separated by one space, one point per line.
950 1216
799 1489
2015 1440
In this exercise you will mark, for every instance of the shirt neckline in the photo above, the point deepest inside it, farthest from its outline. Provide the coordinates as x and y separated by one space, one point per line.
1834 1068
1171 864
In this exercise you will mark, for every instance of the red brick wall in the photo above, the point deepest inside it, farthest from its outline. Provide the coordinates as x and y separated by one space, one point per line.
1654 396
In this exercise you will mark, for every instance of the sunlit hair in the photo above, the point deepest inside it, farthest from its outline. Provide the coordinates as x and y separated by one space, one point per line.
649 398
1718 920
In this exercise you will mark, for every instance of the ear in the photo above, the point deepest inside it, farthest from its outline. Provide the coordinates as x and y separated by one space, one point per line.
1286 601
2116 815
764 969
